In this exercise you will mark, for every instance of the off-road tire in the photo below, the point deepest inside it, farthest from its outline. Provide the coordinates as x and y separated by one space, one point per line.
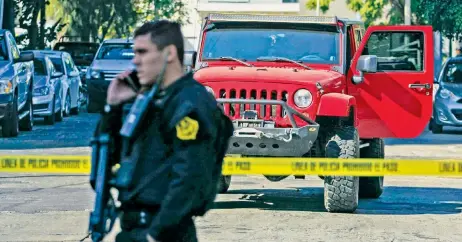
341 193
27 123
223 184
372 187
10 127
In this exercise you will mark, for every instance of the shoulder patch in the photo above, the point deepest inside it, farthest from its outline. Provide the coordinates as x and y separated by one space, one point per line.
187 129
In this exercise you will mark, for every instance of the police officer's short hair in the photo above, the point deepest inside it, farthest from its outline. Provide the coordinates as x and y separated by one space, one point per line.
164 33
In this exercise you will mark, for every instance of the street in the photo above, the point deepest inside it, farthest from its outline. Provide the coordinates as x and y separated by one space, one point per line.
38 207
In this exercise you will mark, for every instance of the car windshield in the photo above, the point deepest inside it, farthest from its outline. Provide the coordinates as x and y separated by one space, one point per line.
256 43
3 49
116 52
58 63
79 51
454 73
40 67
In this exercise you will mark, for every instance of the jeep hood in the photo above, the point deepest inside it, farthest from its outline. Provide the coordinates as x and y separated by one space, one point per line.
265 75
111 65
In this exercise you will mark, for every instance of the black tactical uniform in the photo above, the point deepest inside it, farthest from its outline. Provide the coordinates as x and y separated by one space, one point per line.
183 138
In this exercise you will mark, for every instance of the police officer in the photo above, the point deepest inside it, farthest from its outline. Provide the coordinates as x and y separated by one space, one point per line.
177 145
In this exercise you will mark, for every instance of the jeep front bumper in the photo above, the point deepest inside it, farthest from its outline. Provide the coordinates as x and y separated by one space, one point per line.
268 140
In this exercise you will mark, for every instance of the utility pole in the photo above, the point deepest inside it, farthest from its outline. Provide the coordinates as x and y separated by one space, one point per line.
1 14
407 12
318 8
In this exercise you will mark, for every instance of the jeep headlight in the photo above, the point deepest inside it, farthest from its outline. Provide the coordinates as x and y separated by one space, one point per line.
5 86
209 89
303 98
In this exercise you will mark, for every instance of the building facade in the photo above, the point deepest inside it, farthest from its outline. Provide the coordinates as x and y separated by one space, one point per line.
199 9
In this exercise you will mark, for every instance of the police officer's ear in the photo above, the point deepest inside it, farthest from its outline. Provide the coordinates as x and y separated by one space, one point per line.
170 53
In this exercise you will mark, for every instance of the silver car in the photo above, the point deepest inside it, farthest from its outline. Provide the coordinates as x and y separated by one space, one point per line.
447 105
64 63
48 88
113 57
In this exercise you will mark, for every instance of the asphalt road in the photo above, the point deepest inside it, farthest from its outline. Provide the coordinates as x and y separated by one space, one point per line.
38 207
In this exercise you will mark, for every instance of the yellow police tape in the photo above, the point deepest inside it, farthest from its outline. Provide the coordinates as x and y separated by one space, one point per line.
69 164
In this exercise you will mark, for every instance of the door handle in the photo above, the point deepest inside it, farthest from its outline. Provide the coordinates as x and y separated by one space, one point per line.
415 86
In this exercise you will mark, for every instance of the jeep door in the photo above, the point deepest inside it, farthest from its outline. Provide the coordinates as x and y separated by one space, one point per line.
395 101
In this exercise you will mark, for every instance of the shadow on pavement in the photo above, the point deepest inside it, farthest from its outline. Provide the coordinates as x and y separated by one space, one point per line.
394 201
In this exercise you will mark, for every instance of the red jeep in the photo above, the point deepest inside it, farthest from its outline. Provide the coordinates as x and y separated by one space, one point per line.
310 86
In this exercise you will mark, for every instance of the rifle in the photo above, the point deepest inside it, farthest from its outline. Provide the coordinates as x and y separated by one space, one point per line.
105 210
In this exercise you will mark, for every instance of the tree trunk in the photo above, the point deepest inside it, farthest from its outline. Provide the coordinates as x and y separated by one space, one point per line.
8 16
42 38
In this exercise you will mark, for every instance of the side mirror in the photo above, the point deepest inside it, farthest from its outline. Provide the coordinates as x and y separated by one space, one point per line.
367 64
190 59
57 74
25 57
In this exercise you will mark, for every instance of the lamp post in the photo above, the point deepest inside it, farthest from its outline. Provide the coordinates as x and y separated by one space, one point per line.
318 7
407 12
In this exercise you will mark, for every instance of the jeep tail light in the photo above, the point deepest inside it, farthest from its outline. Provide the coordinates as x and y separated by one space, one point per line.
303 98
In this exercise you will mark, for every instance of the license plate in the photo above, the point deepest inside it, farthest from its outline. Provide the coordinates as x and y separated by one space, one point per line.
250 123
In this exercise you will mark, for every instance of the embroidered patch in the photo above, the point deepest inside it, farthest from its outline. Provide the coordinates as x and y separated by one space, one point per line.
187 129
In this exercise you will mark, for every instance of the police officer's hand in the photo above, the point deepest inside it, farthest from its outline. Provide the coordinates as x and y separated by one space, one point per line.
118 91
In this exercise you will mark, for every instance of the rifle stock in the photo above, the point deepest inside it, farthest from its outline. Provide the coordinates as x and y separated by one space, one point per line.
104 210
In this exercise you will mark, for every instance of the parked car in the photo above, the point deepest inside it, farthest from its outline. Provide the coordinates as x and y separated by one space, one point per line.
16 82
447 104
48 89
64 63
113 57
81 51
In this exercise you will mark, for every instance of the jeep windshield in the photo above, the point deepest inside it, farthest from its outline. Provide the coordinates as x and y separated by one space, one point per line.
116 52
254 43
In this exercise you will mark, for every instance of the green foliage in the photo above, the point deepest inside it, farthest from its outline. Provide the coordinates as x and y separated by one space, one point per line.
27 14
323 5
444 15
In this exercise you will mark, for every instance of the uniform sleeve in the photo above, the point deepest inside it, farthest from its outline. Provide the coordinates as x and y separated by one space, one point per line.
192 143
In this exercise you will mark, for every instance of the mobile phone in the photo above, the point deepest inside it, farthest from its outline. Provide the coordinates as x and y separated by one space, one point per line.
133 81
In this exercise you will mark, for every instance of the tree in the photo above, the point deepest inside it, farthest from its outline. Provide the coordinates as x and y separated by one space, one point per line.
444 15
372 10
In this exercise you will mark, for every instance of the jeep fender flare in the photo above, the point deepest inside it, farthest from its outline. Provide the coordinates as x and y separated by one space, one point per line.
338 105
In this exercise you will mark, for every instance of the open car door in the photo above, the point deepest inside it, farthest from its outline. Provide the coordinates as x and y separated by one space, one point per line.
391 77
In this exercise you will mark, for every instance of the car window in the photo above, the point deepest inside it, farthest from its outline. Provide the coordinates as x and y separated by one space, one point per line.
3 49
453 73
40 67
13 48
116 52
50 66
68 64
58 64
397 51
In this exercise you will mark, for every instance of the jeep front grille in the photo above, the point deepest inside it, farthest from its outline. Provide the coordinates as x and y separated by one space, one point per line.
263 110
